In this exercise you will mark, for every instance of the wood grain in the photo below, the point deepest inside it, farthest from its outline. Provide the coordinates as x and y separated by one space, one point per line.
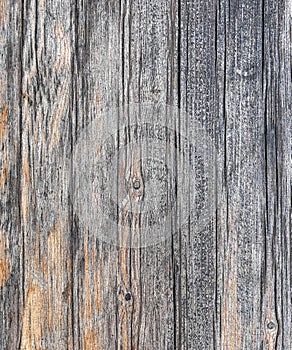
226 66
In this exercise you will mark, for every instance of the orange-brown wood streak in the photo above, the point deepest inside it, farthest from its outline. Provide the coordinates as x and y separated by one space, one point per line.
231 323
5 260
3 123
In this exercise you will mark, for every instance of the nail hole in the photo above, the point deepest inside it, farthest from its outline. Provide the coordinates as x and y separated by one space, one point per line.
136 184
271 325
128 296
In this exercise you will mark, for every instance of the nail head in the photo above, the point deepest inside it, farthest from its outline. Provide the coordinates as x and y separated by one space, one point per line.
128 296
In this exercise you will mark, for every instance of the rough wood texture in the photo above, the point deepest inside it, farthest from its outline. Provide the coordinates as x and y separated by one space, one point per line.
226 66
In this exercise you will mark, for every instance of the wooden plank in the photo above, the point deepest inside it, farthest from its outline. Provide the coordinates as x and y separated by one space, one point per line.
145 174
242 250
96 86
11 244
46 70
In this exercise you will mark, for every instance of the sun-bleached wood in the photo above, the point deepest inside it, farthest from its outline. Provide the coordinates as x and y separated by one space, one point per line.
226 65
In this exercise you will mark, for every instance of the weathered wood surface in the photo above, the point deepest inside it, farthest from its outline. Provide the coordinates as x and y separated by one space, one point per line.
226 66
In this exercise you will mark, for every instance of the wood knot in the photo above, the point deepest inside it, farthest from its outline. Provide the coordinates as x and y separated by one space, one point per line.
136 184
271 325
136 187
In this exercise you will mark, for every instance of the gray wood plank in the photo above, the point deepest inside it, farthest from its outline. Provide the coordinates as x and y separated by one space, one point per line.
46 71
97 74
11 244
